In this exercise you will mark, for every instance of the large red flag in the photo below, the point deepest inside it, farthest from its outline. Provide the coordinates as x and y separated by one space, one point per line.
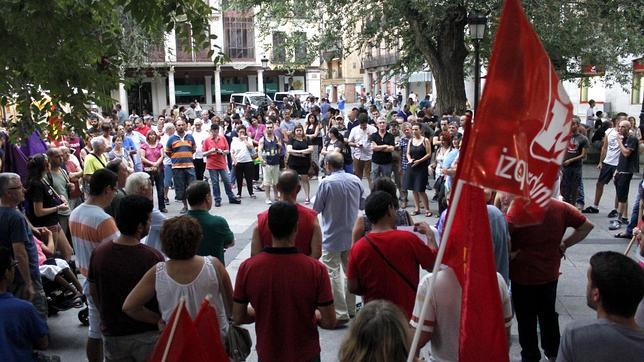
179 340
208 328
522 125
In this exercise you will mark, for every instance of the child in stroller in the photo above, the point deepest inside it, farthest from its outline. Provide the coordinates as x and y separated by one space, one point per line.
61 286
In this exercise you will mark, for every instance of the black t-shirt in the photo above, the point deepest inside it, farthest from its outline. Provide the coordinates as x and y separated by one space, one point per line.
295 161
381 157
575 147
631 163
37 191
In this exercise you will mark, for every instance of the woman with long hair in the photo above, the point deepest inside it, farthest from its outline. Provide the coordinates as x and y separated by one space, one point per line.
313 132
299 158
380 333
151 153
419 151
241 149
44 203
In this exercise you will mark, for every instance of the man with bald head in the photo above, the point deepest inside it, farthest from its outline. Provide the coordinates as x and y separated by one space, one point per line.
308 239
627 165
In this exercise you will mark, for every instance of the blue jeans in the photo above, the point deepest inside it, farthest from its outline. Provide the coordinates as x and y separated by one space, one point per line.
214 178
182 178
167 175
636 209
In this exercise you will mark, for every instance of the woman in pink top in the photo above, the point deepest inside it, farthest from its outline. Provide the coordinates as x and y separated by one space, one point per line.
151 153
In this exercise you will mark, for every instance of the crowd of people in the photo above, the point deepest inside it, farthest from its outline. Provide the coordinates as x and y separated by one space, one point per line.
88 206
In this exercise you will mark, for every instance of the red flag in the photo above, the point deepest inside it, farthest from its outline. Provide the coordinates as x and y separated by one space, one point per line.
522 125
208 328
179 340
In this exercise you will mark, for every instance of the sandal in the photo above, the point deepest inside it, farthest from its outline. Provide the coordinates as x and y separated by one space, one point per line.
429 214
415 212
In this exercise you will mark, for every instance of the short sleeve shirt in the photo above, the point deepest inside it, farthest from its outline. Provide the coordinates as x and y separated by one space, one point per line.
381 157
93 164
216 161
21 327
575 147
285 288
539 255
14 229
600 340
39 192
377 280
115 270
629 164
216 234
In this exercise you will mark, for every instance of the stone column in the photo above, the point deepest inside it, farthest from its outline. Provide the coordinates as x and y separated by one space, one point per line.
260 80
217 90
208 81
171 94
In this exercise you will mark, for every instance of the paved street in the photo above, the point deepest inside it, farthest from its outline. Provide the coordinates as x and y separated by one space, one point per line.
68 336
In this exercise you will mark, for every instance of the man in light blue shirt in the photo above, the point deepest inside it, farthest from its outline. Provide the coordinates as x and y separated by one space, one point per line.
339 198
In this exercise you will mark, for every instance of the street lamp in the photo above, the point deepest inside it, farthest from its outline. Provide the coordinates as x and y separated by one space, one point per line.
264 62
477 23
260 80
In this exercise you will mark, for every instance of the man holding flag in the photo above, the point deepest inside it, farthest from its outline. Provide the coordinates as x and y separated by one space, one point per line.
520 155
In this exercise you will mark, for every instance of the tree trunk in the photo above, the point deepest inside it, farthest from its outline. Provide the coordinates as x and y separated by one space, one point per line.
445 55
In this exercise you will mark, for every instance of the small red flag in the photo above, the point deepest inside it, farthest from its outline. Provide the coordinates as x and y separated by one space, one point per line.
522 125
208 329
179 340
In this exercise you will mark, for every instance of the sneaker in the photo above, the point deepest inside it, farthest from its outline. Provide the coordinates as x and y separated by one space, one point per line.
167 201
235 201
183 210
217 203
614 225
624 221
268 202
613 213
590 210
253 196
164 210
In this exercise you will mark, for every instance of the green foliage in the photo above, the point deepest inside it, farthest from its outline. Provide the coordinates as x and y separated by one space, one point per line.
433 33
74 52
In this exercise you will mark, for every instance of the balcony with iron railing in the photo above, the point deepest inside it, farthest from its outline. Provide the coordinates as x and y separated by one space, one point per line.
383 60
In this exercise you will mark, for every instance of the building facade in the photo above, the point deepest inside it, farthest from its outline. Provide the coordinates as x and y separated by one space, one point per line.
177 77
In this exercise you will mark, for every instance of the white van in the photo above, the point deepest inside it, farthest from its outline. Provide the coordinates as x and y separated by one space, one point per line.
254 99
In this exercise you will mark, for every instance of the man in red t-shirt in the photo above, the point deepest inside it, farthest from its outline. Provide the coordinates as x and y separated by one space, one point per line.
384 263
215 149
284 288
308 239
534 270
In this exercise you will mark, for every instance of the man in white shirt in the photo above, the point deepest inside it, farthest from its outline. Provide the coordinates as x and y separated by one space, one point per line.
199 134
609 158
442 324
359 140
590 114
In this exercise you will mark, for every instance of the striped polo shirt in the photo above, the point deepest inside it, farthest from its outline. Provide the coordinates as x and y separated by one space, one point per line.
90 225
180 149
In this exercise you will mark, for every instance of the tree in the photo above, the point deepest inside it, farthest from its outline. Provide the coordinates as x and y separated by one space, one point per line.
59 56
432 33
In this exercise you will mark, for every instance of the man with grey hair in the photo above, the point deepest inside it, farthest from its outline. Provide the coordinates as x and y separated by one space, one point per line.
139 183
338 199
383 145
95 160
16 236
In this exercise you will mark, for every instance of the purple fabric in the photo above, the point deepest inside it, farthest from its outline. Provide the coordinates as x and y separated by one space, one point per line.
34 145
14 160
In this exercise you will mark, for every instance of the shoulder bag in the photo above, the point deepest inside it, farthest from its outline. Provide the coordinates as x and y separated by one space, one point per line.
237 341
400 274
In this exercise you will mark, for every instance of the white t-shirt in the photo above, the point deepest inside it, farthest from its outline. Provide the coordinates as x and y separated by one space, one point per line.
612 151
444 312
590 116
360 136
199 138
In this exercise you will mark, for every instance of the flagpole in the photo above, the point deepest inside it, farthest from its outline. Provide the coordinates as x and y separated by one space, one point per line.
182 301
439 258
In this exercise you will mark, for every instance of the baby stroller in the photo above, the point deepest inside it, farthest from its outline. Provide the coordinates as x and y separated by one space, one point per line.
59 299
